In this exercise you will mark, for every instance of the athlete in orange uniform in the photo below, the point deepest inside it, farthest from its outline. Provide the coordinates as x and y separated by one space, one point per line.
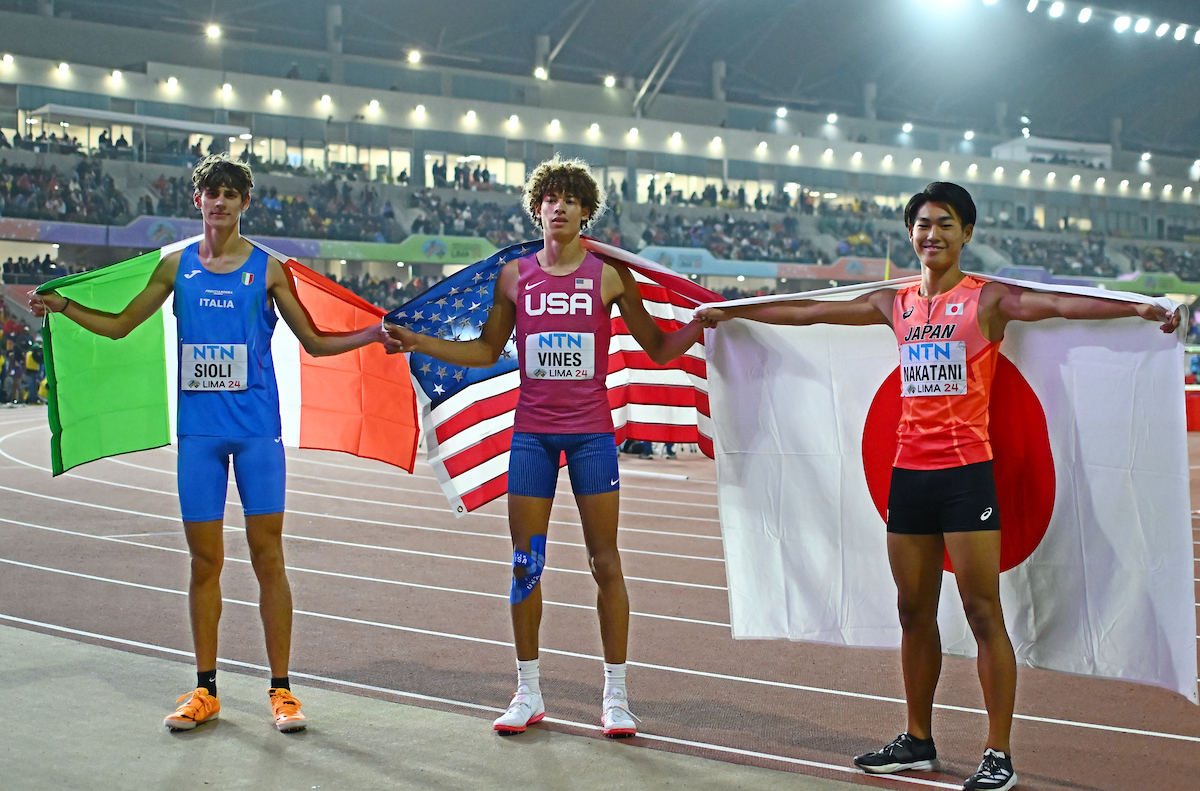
948 328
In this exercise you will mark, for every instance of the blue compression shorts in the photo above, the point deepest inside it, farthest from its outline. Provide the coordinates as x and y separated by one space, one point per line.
203 469
533 463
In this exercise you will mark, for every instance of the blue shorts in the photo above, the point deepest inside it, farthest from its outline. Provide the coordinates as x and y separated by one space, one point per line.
203 470
533 463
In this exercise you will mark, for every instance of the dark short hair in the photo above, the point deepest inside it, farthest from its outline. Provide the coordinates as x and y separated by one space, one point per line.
569 177
946 193
218 170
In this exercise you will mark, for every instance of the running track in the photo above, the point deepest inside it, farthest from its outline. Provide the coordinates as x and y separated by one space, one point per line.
397 599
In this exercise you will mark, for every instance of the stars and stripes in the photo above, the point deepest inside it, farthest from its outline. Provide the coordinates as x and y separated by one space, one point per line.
467 413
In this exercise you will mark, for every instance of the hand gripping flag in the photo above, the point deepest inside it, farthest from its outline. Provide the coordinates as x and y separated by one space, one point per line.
468 412
1087 427
109 397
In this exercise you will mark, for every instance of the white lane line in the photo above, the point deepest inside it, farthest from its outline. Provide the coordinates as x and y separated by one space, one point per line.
383 523
403 694
665 668
356 577
435 509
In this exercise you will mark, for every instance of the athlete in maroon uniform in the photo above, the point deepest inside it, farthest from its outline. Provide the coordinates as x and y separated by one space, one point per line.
559 302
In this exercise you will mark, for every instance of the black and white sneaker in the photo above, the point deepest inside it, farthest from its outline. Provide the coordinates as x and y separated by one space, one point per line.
995 773
904 753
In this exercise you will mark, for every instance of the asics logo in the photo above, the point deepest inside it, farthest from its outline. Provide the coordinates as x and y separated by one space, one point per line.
907 313
191 274
987 512
533 285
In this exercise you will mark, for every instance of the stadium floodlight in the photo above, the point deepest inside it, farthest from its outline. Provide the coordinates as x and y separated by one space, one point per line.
610 81
831 118
1142 25
907 128
1056 9
1196 38
213 32
7 60
1031 6
414 56
116 75
1162 29
1085 15
541 73
1025 131
1122 24
969 135
1146 156
781 112
1180 32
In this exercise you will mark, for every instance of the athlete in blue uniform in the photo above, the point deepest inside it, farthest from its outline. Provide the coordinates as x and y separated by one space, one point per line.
226 293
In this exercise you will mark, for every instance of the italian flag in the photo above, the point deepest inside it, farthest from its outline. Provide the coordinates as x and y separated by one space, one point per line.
109 397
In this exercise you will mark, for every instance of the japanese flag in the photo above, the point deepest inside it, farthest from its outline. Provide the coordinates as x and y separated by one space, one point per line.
1088 430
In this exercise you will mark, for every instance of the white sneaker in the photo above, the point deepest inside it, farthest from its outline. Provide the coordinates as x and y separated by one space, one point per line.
616 720
526 708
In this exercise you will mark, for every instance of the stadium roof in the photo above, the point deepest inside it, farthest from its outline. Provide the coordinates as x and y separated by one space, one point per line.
943 62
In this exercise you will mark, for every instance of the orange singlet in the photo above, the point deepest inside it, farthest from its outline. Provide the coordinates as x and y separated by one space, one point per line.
946 370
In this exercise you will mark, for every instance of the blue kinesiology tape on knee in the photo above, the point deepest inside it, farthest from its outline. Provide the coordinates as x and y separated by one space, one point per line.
531 563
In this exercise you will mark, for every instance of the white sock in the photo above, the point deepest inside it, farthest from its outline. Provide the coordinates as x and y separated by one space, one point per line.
614 679
529 675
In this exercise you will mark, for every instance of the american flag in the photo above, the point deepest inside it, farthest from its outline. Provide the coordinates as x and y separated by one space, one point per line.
467 413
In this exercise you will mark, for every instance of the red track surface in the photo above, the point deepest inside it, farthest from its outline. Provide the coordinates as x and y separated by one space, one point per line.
397 599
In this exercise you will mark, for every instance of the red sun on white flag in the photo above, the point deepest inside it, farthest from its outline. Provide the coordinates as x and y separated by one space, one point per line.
1023 465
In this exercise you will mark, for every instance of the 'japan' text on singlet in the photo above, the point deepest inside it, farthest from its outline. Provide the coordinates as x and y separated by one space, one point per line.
562 333
227 382
946 370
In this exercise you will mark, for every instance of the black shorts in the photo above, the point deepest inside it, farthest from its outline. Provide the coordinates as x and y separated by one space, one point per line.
954 500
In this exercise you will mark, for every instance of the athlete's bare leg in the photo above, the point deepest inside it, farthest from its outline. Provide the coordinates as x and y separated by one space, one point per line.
976 559
206 544
916 562
599 513
527 517
264 535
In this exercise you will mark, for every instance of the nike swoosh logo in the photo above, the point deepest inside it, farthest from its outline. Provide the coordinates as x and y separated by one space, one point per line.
533 285
907 313
191 274
614 481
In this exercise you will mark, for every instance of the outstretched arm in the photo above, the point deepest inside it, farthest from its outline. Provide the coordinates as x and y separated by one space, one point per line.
478 352
113 325
662 347
1014 303
314 341
874 307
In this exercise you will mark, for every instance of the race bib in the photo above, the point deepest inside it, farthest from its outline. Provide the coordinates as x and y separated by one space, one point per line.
560 355
212 366
933 368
